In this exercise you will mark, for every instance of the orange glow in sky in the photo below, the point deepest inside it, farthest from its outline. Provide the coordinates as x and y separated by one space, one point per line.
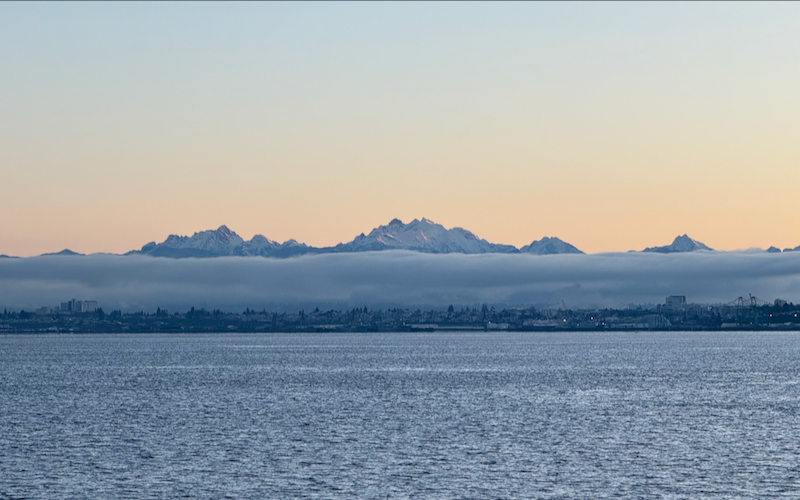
611 126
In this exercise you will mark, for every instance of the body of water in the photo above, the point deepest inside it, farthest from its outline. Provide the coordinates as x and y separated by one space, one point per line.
425 415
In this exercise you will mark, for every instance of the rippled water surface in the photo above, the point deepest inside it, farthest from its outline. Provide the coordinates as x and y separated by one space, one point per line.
455 415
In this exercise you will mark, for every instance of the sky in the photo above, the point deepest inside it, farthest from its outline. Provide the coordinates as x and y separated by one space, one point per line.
614 126
396 279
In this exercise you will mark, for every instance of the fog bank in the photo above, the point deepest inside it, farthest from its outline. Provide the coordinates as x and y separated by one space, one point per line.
396 278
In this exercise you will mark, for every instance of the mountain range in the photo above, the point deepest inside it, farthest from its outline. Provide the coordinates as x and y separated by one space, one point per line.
421 235
221 242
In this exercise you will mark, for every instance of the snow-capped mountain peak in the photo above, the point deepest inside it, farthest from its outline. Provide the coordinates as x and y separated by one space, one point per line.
262 240
421 235
221 241
549 246
682 243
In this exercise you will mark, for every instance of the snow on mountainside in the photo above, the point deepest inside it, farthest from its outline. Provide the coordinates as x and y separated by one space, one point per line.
265 247
418 235
258 245
549 246
422 236
680 244
221 242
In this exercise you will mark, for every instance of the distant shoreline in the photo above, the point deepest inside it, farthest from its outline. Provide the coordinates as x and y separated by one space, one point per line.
779 316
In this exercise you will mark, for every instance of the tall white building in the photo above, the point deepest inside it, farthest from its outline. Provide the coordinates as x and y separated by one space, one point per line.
79 306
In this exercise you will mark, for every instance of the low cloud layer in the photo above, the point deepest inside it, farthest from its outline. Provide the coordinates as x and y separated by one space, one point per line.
397 278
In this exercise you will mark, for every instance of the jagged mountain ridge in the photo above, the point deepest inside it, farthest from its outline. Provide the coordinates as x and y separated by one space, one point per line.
422 235
682 243
419 235
221 242
549 246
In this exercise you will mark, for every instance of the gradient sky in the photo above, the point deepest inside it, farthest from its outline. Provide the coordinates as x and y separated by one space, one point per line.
613 126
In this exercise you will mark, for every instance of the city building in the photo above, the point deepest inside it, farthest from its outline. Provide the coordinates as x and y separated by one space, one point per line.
676 302
79 306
